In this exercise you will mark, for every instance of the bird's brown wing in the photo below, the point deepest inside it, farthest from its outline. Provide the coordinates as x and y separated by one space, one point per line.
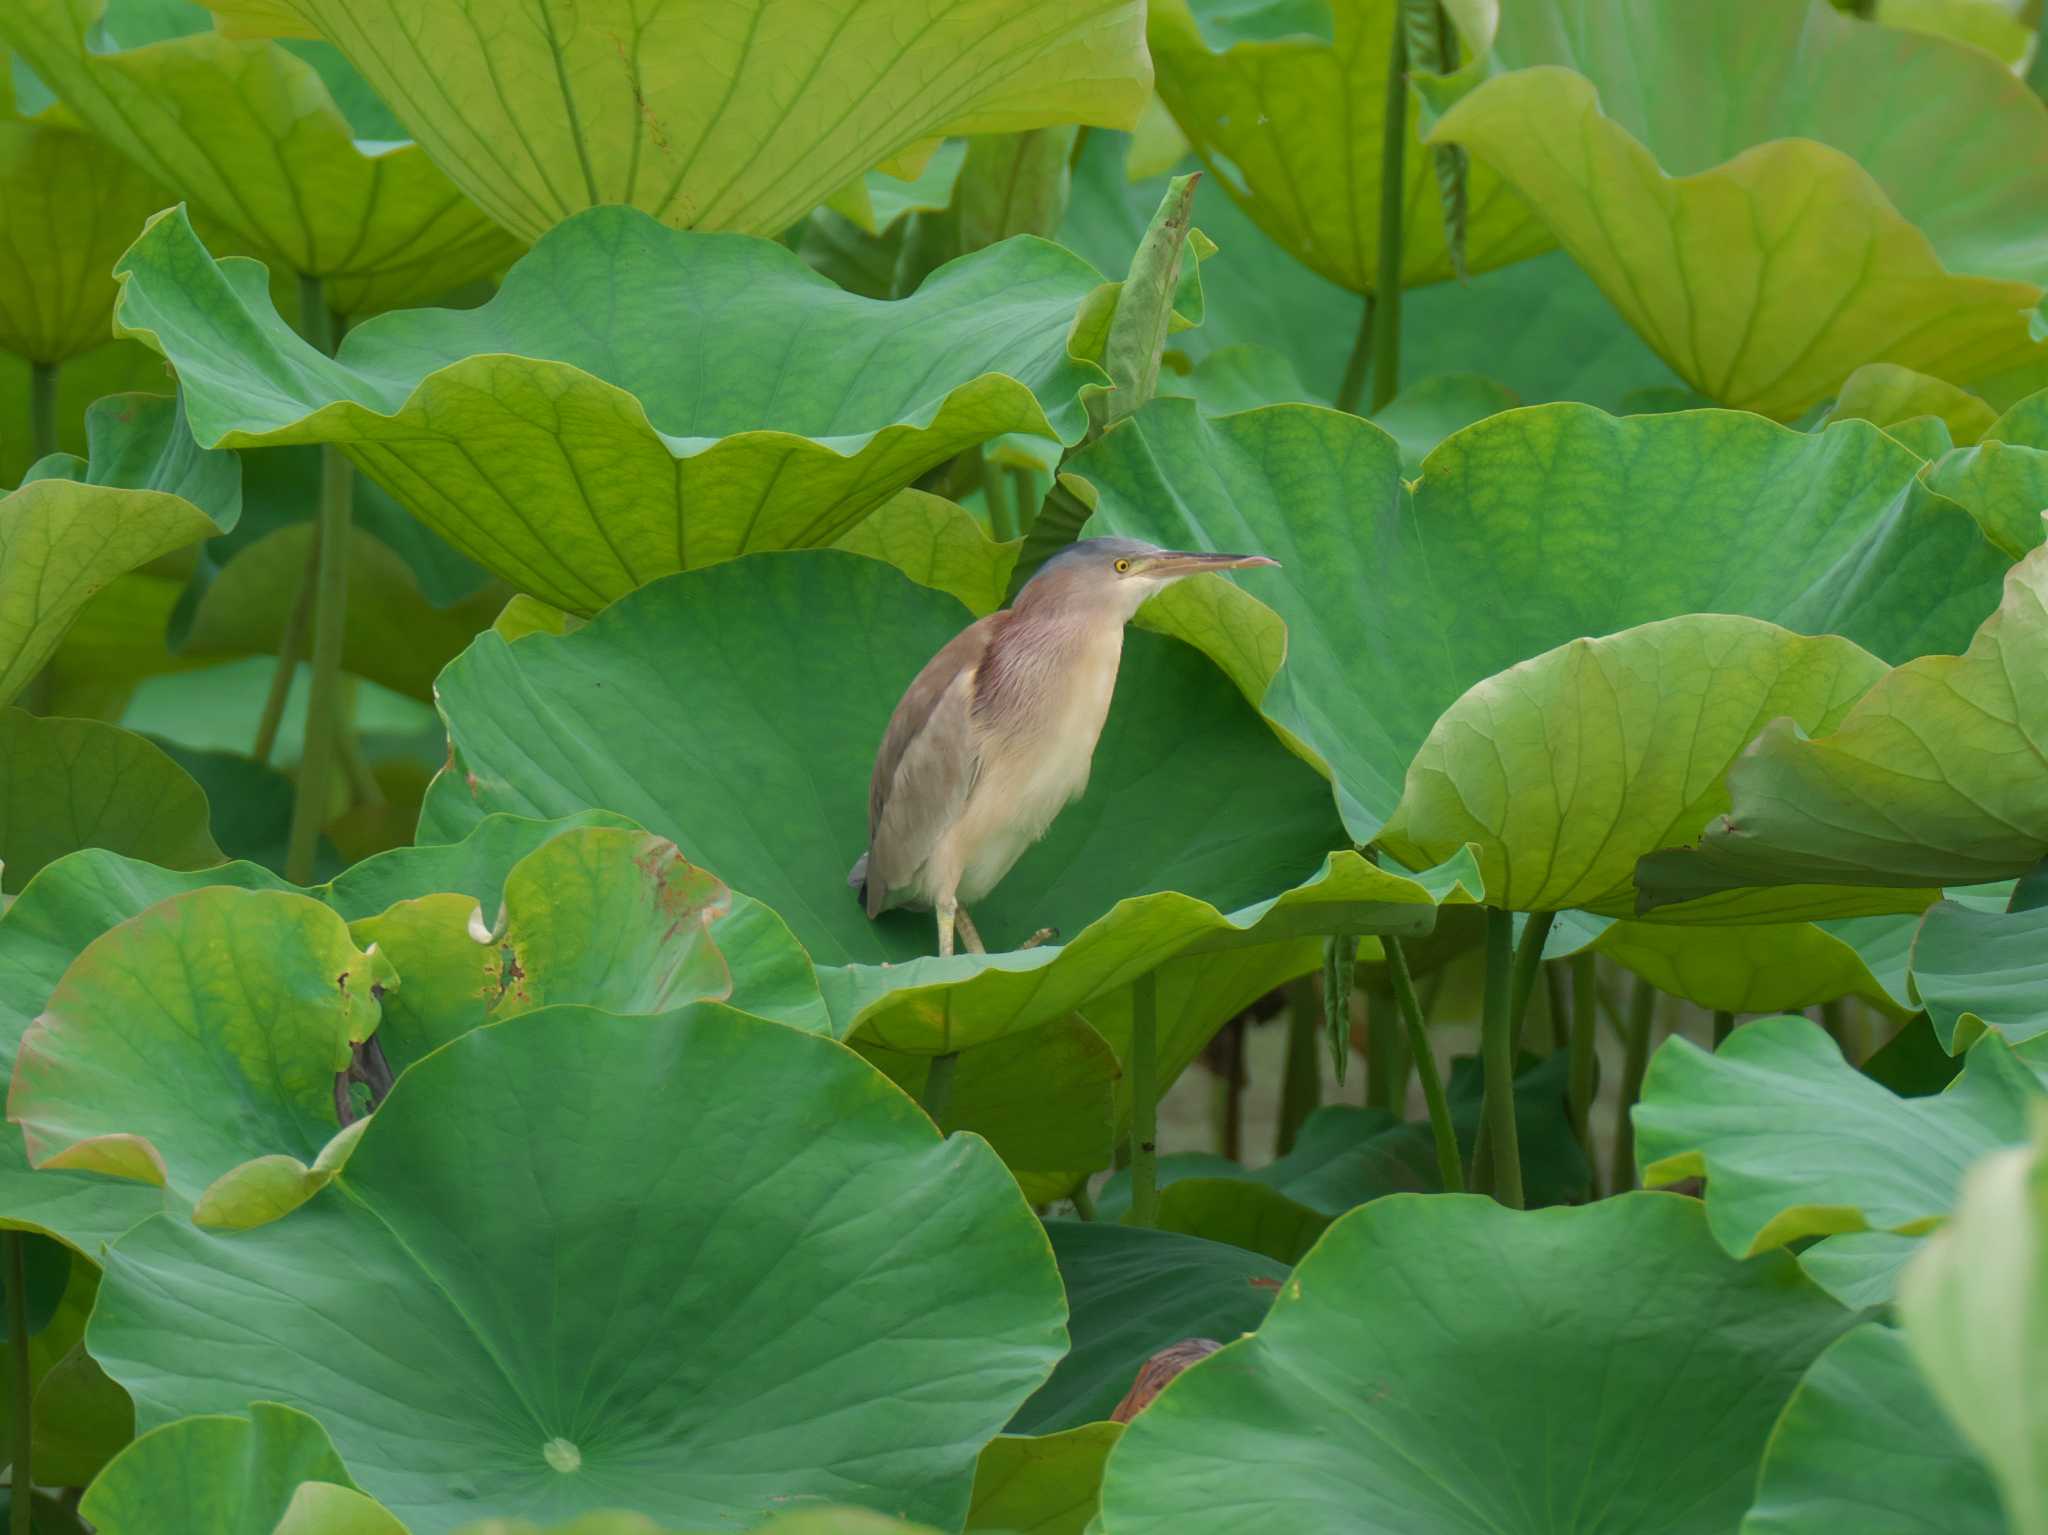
926 765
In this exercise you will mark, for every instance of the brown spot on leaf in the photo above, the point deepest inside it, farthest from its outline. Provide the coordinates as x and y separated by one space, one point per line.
1154 1374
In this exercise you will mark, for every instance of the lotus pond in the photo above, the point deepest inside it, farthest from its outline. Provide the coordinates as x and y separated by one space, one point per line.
1546 1027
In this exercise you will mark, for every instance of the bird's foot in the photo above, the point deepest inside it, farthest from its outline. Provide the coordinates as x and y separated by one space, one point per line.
968 935
1043 935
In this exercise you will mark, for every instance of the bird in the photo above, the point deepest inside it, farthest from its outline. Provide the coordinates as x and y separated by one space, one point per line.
995 736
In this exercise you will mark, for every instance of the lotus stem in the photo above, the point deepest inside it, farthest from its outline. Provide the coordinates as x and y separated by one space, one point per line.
1084 1202
1145 1101
1528 958
1386 311
1441 1129
1340 972
1301 1088
330 617
362 778
1834 1020
1642 1012
291 649
42 409
1554 1001
938 1087
1584 1055
1498 1054
21 1479
1724 1025
1353 385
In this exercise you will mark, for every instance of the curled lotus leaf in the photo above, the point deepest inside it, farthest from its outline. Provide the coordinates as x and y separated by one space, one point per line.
230 1473
634 400
209 1025
1768 248
578 103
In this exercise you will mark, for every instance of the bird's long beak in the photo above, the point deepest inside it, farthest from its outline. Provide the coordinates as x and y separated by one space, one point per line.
1190 562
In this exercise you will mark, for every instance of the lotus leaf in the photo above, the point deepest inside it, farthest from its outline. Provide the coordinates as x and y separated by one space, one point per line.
1636 519
2005 487
1793 1141
754 758
1048 1486
1979 970
1971 1301
243 129
1934 777
1366 1402
710 127
1766 967
1287 106
554 437
326 1508
79 1417
1863 1445
1887 395
802 1292
231 1474
247 1001
114 367
1769 247
67 784
1859 1268
145 490
1132 1291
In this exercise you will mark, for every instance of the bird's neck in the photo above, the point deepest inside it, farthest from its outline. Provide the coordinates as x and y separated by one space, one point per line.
1042 660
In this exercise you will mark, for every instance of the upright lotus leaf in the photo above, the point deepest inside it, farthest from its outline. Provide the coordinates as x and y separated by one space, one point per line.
1132 1291
1628 521
1368 1403
1765 967
67 784
1044 1486
732 1266
195 1047
228 1474
736 710
1863 1445
1976 970
242 129
1934 777
73 204
1972 1301
1566 768
634 400
937 543
1287 106
1887 395
710 127
1144 310
1793 1141
146 489
1769 246
606 917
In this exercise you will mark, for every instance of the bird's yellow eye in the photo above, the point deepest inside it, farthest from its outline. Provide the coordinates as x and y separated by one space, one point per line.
1122 566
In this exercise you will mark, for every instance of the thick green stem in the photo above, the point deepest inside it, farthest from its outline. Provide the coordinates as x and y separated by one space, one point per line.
1340 970
330 618
1356 365
291 649
42 409
21 1479
1528 960
1641 1013
938 1087
1084 1202
1724 1025
1585 1057
1440 1126
1498 1054
1301 1087
1386 332
1145 1101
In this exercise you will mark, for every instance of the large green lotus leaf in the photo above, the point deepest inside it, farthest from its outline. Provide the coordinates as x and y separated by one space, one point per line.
1762 967
730 1265
737 711
2005 487
747 124
1527 530
1863 1445
67 784
937 543
1132 1291
1286 105
1443 1363
1770 246
1540 326
1794 1141
145 490
1977 970
1045 1486
634 400
73 204
1972 1301
195 1047
242 129
1934 777
1566 768
1859 1268
1895 398
226 1473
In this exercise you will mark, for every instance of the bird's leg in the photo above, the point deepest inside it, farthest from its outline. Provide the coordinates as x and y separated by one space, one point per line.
1043 935
967 933
946 913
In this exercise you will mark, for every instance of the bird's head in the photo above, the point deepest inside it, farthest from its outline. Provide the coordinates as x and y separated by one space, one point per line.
1113 576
